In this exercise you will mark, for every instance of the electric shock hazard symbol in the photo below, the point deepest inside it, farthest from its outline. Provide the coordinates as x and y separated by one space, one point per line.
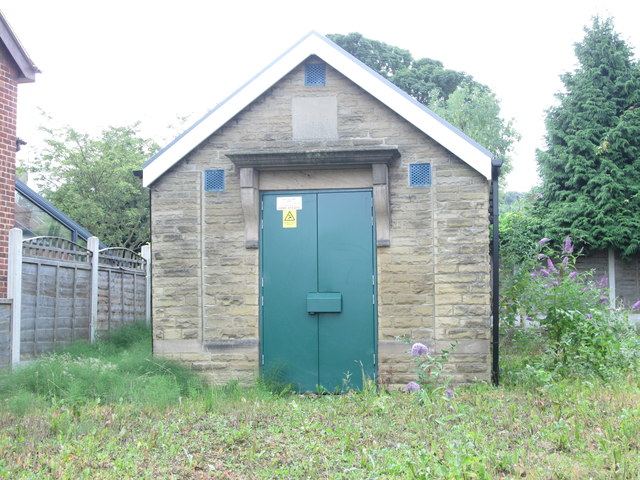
289 219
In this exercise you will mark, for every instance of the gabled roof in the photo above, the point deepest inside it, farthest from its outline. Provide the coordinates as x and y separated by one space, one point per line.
315 44
26 68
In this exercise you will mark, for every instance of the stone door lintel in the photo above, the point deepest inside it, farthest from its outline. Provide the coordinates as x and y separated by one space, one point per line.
250 164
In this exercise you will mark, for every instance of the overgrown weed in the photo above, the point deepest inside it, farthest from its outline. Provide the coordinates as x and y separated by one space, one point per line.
118 368
565 428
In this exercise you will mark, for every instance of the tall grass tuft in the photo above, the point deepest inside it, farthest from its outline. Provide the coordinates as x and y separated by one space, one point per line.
118 367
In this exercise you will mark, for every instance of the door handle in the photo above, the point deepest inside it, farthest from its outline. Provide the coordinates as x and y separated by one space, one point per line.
324 302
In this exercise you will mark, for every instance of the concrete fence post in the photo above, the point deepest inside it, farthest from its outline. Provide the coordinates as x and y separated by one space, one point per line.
14 291
611 264
146 254
93 244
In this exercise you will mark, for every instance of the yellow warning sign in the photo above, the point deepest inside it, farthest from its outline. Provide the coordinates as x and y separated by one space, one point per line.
289 219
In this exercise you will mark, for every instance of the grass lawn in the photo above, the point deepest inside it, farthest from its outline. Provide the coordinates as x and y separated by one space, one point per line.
570 429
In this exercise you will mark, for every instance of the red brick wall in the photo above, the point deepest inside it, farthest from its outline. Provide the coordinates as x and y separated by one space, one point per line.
8 104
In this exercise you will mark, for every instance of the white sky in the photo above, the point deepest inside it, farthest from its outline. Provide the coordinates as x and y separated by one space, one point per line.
116 62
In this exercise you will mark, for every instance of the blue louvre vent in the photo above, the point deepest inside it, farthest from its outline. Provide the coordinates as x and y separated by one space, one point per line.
214 180
315 74
419 174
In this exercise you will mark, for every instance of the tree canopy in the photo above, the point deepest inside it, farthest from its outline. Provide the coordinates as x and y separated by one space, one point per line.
590 169
90 178
475 110
453 95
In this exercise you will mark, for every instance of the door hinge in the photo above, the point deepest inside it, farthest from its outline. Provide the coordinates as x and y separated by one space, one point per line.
262 224
263 359
262 282
262 300
373 298
262 205
374 358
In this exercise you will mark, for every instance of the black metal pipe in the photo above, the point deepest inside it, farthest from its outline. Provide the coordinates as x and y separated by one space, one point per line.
495 290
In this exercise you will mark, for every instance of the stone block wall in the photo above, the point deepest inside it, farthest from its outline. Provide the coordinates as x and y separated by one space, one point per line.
433 280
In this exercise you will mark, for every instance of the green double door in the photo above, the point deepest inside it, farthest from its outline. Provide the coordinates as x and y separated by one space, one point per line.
318 292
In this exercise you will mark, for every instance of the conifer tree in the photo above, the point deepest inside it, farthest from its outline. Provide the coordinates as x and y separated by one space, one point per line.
590 169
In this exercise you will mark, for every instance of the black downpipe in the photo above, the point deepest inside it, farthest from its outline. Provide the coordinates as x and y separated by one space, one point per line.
495 254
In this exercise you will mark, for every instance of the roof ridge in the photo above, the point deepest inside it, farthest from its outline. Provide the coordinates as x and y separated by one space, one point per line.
376 85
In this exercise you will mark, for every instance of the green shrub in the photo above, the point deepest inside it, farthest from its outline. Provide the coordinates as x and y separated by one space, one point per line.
583 334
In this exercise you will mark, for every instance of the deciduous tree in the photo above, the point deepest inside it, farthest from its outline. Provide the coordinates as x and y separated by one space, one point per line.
475 110
90 178
455 96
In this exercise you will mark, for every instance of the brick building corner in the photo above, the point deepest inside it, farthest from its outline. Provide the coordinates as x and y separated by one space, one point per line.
15 67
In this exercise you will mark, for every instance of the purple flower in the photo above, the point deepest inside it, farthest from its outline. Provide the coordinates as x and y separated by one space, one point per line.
449 393
534 274
552 284
541 256
412 387
565 261
603 299
573 274
568 247
544 272
589 315
550 265
543 241
636 305
604 281
419 349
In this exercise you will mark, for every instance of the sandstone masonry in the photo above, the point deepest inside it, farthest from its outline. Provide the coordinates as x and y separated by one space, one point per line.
433 278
